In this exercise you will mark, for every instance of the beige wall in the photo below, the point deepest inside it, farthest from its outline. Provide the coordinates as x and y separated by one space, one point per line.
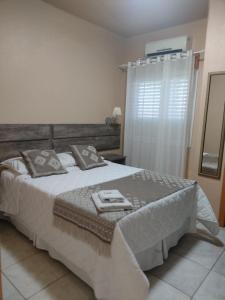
55 67
214 61
135 46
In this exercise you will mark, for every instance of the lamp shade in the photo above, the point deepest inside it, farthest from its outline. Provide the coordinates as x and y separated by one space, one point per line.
117 112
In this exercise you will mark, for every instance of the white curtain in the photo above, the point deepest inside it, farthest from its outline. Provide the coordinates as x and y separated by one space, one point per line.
159 107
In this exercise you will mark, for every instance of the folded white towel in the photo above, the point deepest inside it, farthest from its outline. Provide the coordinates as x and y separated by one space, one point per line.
108 206
111 196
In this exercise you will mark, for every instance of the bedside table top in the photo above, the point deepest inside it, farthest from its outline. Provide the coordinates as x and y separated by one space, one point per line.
113 156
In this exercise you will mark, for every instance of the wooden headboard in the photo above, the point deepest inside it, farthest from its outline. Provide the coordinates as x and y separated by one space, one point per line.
19 137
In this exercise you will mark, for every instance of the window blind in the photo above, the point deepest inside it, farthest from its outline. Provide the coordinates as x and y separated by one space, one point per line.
149 102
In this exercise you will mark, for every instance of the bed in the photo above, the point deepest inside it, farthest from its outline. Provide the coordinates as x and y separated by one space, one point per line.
141 240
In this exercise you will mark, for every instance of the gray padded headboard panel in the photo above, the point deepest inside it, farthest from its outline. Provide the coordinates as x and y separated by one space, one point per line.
19 137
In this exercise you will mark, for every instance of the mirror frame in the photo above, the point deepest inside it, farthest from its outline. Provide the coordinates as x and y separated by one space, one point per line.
222 136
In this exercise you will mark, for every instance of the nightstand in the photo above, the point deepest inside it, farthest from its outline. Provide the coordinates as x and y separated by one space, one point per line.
116 158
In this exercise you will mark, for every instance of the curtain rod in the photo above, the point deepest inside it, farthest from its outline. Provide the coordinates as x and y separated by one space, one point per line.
124 67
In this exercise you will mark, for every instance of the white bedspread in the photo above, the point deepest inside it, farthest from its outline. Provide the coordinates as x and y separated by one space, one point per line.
29 202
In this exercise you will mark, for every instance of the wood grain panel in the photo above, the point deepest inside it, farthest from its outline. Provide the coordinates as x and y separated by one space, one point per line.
24 132
101 143
12 149
15 138
84 130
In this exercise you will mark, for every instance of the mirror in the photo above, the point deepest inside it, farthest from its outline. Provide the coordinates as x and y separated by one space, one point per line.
211 156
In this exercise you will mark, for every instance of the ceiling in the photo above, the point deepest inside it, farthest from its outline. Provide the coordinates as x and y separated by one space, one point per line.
132 17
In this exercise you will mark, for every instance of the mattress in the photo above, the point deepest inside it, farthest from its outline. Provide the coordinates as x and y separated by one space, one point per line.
29 203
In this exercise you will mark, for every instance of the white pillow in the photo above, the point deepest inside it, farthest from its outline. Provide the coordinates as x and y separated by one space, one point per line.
67 160
17 165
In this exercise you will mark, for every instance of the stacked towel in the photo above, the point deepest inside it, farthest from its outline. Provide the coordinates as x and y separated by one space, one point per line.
110 200
111 196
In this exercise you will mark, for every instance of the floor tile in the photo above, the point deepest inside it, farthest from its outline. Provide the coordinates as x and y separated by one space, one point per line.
220 265
221 235
34 273
213 288
8 231
14 246
204 234
9 292
202 252
181 273
68 287
160 290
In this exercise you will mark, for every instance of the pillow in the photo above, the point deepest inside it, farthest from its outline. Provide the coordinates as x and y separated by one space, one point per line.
87 156
17 165
67 160
42 163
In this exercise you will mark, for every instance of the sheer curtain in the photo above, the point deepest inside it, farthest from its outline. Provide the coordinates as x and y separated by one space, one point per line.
158 117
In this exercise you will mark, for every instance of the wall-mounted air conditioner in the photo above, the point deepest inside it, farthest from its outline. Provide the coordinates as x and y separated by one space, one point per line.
178 44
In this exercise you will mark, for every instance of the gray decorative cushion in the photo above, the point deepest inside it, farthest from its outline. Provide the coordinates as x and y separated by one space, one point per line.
42 163
87 156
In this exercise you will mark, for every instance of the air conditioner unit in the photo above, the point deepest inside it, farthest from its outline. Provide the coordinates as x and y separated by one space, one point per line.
174 45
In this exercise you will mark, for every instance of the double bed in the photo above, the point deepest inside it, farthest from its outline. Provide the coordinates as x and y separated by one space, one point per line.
141 240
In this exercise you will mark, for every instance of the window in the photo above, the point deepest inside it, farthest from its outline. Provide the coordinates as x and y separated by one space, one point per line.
178 97
149 99
148 102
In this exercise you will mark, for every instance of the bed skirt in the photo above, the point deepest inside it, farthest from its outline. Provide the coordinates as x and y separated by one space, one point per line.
146 259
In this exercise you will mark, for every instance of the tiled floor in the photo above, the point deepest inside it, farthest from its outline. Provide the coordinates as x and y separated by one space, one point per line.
195 270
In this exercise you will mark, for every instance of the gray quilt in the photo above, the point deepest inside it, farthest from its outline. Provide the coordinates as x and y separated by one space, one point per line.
140 189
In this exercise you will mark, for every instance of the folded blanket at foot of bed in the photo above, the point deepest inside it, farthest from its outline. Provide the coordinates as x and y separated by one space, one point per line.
140 189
